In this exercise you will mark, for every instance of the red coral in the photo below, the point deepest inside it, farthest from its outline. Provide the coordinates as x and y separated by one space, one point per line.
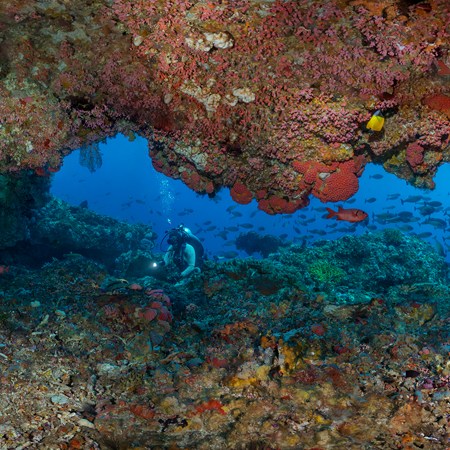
261 193
159 295
279 205
210 405
142 411
359 162
165 315
339 185
192 179
217 362
196 182
311 169
438 102
308 169
309 376
148 314
414 154
443 69
156 308
335 376
156 305
240 193
318 329
169 87
158 165
264 205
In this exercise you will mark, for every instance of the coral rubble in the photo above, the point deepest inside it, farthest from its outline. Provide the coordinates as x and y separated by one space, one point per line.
249 354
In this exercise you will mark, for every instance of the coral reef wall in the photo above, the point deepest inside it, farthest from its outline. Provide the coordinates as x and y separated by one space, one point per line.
20 194
269 98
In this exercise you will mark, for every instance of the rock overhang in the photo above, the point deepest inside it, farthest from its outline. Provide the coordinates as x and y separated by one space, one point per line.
270 99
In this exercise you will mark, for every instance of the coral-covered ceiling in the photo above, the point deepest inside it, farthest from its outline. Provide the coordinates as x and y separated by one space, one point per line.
269 98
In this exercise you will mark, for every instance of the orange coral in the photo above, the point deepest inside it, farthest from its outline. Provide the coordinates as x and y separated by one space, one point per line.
197 182
438 102
210 405
311 169
232 330
142 411
339 185
240 193
279 205
148 314
261 193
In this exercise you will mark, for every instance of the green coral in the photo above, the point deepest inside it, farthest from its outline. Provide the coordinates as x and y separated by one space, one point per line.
325 272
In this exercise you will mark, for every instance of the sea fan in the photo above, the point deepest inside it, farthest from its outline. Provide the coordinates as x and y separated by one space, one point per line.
91 156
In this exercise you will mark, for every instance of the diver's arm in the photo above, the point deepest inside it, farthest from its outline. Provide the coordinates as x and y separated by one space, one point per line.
168 255
189 258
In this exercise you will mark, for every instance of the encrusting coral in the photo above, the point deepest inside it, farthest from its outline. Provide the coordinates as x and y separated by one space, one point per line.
230 93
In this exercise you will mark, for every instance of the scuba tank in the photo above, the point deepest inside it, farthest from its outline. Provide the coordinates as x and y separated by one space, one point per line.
193 240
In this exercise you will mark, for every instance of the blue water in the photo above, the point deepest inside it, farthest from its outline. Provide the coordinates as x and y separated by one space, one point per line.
127 188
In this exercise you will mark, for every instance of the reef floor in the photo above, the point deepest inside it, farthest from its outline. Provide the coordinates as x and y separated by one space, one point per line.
217 364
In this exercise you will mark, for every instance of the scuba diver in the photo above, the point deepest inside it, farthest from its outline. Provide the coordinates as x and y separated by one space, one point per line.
185 251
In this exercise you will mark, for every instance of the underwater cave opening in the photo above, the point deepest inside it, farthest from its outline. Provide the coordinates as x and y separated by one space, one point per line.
125 186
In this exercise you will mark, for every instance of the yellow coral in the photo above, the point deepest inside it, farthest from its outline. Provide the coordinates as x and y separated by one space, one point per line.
290 358
239 382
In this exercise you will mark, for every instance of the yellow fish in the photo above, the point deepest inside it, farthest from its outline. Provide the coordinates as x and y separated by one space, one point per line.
376 122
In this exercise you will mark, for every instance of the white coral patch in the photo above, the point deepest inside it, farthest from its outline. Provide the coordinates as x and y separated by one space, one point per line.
138 40
199 44
168 98
244 95
203 95
222 39
231 100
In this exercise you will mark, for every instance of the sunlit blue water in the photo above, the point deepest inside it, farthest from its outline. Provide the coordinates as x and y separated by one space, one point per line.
127 187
